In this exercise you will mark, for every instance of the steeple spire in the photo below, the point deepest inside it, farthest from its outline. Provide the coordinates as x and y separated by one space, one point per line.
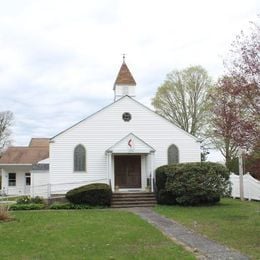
125 82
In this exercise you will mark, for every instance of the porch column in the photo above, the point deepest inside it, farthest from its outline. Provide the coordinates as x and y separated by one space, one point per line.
109 165
152 169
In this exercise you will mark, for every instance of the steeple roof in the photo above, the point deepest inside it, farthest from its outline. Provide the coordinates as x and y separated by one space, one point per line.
124 76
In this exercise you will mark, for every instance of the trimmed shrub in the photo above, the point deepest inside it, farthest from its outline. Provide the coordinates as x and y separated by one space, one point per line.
59 205
161 177
96 194
165 197
192 183
31 206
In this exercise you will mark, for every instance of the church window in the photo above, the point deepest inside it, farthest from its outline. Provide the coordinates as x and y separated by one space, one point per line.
126 117
79 158
173 154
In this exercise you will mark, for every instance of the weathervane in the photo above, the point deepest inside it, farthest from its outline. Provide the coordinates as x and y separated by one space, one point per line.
124 57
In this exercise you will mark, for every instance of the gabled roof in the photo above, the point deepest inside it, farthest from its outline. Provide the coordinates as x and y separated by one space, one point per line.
131 144
118 100
37 150
124 76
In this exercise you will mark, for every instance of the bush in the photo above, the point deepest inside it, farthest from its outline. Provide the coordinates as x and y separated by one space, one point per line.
23 200
59 205
31 206
97 194
191 183
37 200
29 200
165 197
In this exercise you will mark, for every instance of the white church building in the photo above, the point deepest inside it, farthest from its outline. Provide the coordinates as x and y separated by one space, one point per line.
121 145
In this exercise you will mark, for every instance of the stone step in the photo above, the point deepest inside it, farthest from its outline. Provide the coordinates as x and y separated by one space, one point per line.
133 198
132 205
133 201
130 199
133 195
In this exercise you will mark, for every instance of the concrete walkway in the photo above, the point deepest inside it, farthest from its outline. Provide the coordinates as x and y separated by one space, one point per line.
198 244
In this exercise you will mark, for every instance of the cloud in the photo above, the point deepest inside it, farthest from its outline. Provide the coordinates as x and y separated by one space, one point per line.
59 59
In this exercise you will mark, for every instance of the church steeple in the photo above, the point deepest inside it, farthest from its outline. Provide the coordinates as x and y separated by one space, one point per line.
125 83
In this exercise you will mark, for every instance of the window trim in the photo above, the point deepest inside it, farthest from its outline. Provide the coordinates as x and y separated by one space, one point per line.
28 175
85 165
14 179
126 119
178 154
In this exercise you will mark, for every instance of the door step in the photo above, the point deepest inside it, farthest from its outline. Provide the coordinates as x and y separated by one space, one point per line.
129 200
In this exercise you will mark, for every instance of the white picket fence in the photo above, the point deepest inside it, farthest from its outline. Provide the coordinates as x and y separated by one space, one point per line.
251 187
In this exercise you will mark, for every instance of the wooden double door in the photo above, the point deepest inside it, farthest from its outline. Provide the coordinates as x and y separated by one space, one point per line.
127 171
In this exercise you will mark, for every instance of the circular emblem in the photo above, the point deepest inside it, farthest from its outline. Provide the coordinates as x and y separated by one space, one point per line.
126 117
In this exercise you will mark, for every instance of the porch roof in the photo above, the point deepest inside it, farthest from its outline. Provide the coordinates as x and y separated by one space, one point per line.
131 144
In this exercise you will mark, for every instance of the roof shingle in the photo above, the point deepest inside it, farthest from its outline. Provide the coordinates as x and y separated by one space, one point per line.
39 142
37 150
124 76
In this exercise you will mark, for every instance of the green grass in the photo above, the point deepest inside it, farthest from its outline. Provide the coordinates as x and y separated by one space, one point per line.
231 222
84 234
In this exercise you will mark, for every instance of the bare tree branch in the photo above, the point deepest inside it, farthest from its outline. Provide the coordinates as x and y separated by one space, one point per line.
6 120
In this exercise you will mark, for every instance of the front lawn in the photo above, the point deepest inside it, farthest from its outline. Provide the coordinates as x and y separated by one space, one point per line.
84 234
231 222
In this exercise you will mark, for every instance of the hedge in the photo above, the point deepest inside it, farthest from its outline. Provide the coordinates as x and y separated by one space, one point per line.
30 206
192 183
97 194
67 205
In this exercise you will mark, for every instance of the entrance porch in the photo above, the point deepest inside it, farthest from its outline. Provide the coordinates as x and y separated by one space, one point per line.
130 165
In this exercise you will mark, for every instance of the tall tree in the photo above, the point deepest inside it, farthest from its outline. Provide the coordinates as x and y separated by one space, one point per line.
223 122
182 98
252 161
232 125
6 120
235 121
244 67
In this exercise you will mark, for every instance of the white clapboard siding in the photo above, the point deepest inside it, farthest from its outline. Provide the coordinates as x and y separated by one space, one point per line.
40 184
251 187
20 188
104 129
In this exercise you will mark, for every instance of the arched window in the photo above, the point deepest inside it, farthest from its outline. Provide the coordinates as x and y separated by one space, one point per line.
173 154
79 158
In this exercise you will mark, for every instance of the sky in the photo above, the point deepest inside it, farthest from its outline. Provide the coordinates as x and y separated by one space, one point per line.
59 58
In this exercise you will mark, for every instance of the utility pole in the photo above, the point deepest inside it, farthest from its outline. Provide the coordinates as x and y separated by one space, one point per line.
241 183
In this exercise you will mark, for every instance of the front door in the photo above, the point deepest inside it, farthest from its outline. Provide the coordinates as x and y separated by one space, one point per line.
127 171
